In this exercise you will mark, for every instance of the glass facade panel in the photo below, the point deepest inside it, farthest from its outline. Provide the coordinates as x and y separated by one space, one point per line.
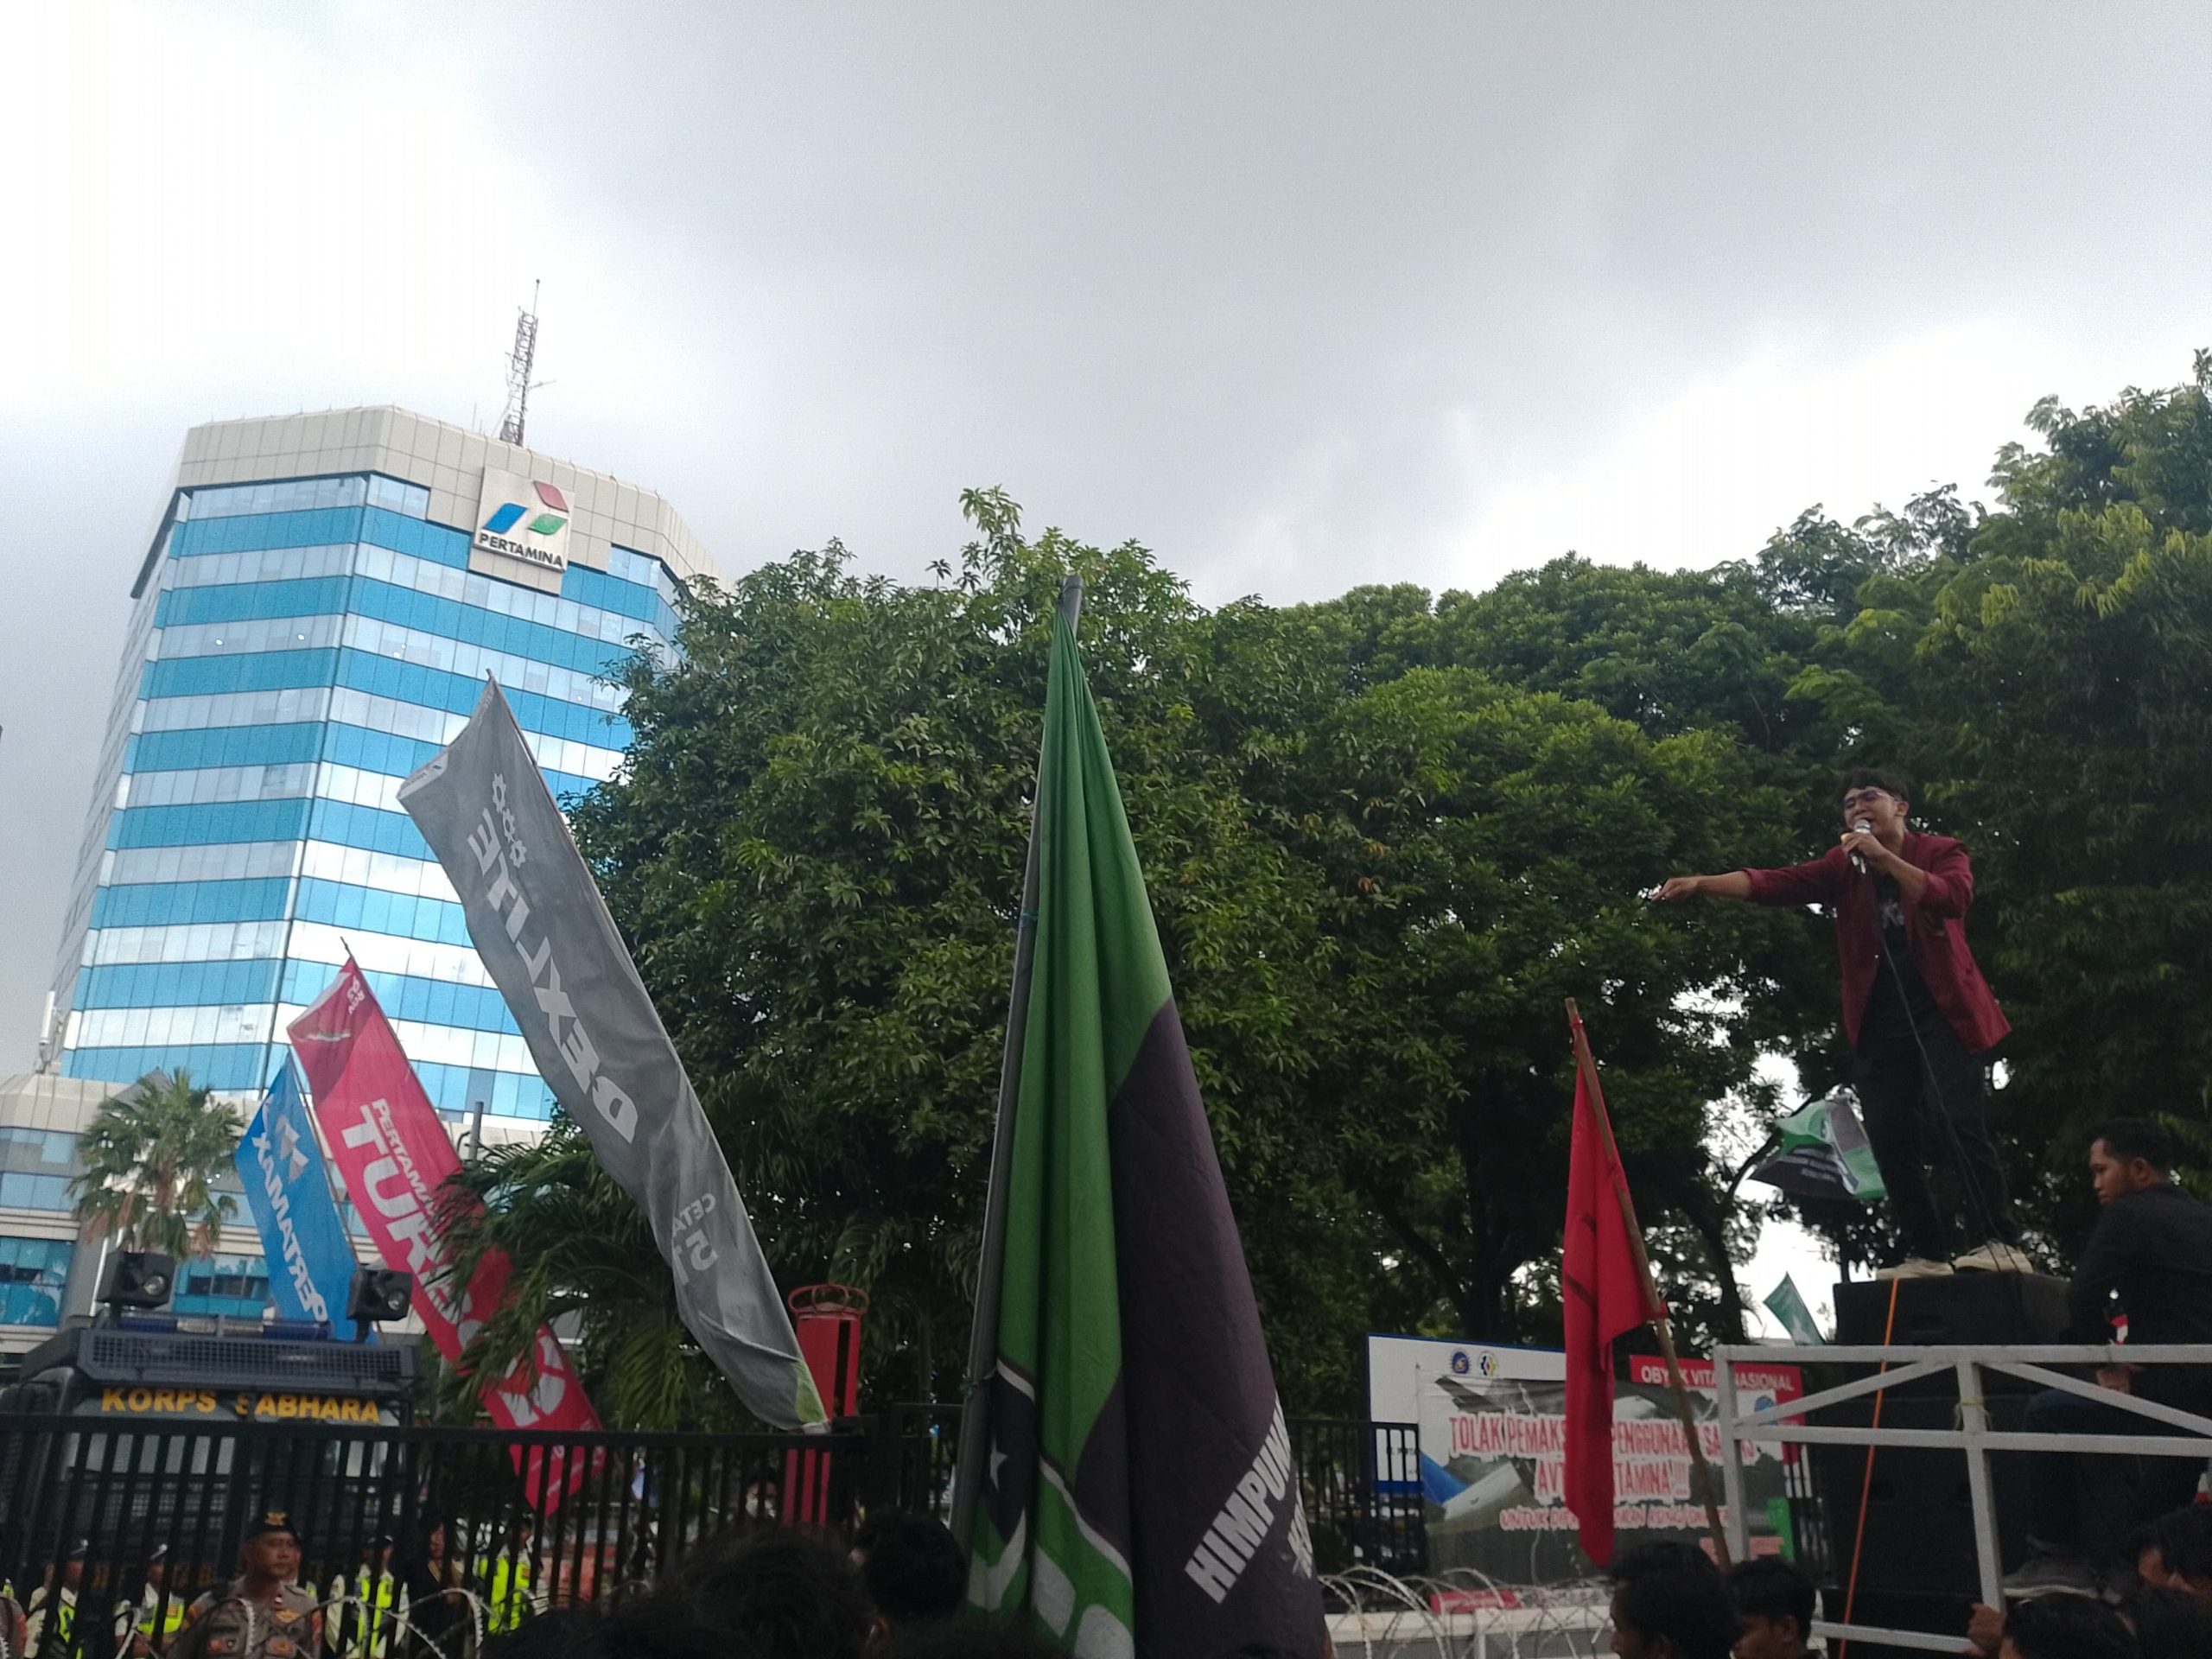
228 863
240 1068
193 826
166 904
156 984
202 942
200 785
361 866
292 495
38 1151
32 1273
266 634
21 1190
307 644
236 1286
235 746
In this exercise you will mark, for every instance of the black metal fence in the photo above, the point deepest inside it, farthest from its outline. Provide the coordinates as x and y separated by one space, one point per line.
481 1525
1361 1483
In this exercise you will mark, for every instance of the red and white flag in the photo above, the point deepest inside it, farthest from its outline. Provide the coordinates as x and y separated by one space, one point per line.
393 1152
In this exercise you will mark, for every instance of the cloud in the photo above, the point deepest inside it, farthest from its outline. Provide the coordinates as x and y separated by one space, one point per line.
1709 474
1301 296
245 220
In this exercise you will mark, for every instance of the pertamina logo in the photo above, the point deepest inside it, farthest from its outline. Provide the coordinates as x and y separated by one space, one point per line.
525 518
509 513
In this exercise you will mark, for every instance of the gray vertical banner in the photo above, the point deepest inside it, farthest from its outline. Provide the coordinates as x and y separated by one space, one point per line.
543 931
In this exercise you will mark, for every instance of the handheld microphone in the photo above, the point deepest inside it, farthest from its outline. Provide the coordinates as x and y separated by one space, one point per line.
1860 827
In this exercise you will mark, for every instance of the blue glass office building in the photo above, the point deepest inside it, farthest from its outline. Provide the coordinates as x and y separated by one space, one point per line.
315 613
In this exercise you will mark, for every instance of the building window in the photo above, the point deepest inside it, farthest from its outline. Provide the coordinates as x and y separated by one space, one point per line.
36 1166
290 495
19 1191
233 1284
37 1150
395 497
32 1273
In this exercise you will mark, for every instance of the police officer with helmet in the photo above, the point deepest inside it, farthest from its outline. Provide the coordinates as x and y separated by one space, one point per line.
51 1628
146 1623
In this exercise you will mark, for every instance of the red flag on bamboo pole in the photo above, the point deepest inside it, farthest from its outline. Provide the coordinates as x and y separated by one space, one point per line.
1606 1291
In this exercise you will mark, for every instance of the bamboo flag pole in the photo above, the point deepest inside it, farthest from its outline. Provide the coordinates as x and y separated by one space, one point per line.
1656 1306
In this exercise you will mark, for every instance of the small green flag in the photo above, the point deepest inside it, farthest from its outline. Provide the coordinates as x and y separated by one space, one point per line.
1787 1305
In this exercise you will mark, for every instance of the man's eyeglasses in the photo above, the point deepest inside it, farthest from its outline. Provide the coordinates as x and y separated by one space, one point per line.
1865 798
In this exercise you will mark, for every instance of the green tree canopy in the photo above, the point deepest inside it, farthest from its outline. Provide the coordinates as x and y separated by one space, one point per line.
1385 834
1372 899
2047 679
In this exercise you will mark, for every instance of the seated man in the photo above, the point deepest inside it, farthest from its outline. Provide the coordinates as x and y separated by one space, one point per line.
1669 1603
2152 1248
1775 1607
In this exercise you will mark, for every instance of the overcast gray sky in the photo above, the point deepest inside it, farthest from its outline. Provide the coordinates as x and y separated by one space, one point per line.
1302 295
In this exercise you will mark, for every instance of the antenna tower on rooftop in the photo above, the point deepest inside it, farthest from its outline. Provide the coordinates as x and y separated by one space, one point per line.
520 363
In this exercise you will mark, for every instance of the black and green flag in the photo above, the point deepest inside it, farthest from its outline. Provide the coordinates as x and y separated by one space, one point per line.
1129 1483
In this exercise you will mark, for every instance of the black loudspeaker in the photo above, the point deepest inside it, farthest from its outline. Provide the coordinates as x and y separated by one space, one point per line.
1902 1609
137 1279
1919 1533
1976 1308
379 1296
1918 1539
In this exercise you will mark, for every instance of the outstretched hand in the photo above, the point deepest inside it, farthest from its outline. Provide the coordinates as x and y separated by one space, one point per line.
1675 889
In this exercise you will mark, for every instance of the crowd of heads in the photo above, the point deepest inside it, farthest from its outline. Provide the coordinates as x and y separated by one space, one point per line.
897 1593
1671 1602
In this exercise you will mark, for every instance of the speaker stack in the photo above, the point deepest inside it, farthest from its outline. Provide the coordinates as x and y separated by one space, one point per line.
1916 1552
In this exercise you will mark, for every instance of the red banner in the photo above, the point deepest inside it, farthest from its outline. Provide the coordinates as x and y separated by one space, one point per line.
394 1155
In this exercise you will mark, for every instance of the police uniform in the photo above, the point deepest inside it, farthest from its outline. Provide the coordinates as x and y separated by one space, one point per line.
225 1624
146 1622
51 1625
367 1613
509 1583
50 1628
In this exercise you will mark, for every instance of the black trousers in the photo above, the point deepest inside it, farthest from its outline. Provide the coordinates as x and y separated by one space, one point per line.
1918 1112
2162 1485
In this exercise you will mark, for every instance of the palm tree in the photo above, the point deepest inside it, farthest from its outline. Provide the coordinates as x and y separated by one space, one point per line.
579 1244
152 1155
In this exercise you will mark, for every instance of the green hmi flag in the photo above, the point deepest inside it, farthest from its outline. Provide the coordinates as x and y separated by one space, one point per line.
1130 1484
1823 1153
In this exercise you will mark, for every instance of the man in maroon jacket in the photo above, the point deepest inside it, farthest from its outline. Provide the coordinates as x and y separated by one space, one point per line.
1915 1009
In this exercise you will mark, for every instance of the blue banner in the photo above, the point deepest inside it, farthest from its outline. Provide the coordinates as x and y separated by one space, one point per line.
311 1259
